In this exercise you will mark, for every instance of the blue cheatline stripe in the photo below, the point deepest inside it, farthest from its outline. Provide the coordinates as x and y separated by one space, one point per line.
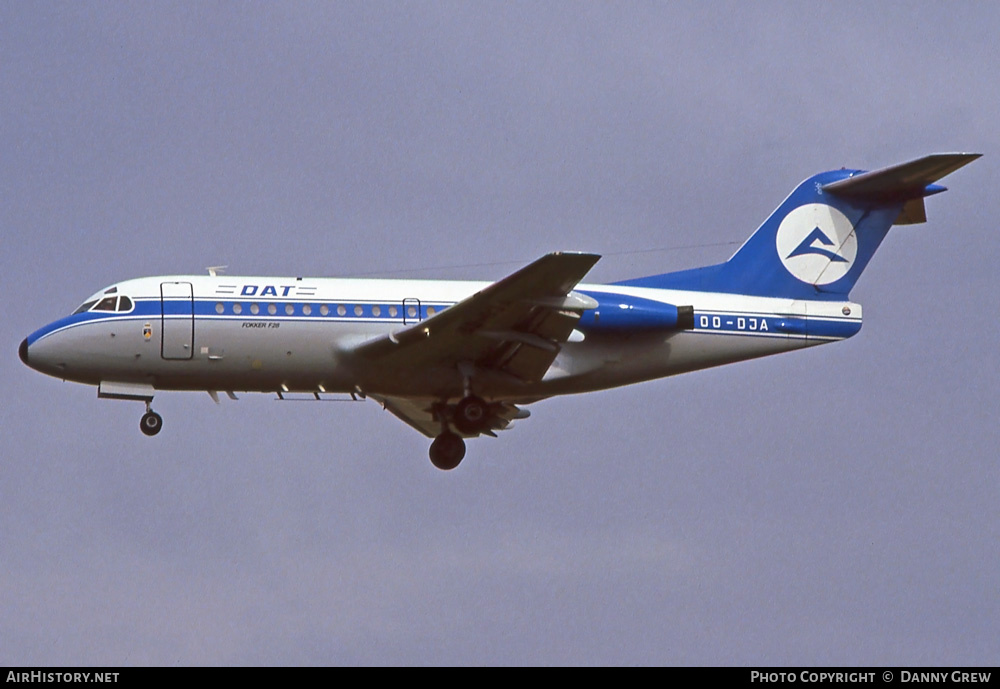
733 322
775 325
833 328
69 322
209 307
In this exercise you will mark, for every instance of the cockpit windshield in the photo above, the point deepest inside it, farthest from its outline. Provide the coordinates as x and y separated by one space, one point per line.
85 306
120 304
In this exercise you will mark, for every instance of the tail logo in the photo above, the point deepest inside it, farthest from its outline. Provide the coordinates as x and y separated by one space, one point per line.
808 246
816 244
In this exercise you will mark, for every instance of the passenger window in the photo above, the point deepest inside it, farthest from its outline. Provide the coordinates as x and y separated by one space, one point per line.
324 310
272 309
107 304
376 311
289 309
393 311
430 311
306 309
220 307
124 304
254 309
341 310
358 310
237 309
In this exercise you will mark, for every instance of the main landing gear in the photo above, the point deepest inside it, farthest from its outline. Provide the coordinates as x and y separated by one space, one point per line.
151 423
447 451
471 416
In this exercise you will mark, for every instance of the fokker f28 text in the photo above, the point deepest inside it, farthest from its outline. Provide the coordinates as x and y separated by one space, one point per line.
457 360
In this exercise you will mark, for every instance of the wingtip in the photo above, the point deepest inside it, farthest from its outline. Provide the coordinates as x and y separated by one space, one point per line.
580 258
965 158
575 253
959 160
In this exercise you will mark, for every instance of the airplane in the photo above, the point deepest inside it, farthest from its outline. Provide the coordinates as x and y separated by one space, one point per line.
461 359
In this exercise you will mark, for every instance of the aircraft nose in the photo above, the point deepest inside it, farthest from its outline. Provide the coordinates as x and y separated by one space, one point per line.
22 352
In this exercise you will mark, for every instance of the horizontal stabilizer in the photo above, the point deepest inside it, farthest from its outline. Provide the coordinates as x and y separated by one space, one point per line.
904 181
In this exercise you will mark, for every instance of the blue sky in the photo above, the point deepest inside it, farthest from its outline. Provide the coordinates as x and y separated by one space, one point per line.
831 506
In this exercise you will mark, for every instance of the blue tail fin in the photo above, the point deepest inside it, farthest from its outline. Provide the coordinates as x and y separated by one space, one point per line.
819 240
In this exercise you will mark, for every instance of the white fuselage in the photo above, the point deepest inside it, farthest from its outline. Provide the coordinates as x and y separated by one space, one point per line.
296 334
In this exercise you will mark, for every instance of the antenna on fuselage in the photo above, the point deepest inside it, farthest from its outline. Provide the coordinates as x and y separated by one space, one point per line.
215 270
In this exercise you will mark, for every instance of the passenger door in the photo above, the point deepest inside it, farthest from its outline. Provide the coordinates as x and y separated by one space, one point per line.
176 320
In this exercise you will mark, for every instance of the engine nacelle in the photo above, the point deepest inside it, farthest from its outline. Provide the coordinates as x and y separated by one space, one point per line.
620 313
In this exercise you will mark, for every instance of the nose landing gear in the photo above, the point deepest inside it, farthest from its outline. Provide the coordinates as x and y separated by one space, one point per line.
151 423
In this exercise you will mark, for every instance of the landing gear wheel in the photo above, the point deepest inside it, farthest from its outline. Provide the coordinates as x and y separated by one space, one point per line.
447 451
151 423
471 415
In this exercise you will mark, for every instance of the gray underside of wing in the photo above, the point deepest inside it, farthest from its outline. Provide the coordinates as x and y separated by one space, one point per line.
516 326
420 415
513 330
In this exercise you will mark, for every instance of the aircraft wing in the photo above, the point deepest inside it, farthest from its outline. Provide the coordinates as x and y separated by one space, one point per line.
419 414
515 327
